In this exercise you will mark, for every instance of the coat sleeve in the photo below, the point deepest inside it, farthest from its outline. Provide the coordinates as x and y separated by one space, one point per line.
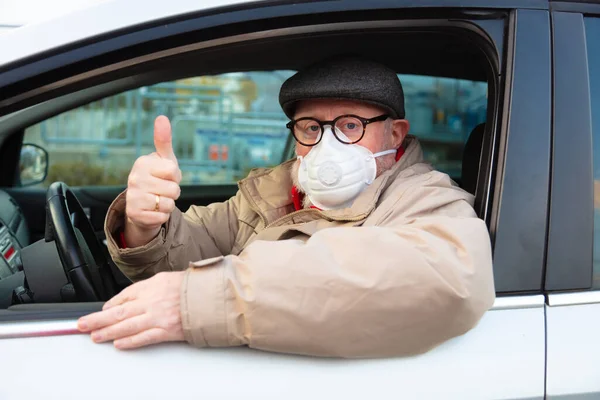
421 276
200 233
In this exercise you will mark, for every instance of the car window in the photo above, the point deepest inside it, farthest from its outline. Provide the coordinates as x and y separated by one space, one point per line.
442 113
592 27
225 125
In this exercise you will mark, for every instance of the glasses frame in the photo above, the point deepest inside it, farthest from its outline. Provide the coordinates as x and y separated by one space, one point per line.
365 121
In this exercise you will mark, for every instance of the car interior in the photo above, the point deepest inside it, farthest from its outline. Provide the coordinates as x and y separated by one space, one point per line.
51 235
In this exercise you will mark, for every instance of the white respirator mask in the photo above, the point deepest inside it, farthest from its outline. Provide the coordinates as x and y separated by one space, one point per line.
333 174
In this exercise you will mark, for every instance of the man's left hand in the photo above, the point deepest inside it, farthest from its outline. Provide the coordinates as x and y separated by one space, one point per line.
147 312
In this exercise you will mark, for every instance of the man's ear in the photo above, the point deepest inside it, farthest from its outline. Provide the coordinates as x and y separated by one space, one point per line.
400 129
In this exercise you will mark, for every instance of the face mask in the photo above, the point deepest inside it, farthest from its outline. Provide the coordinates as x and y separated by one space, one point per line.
333 174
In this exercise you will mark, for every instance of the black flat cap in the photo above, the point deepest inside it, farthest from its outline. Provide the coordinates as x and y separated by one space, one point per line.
345 77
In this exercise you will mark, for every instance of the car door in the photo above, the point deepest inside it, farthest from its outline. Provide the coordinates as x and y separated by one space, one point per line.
573 269
503 357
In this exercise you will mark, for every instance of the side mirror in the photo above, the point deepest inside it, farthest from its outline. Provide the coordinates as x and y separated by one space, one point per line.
33 164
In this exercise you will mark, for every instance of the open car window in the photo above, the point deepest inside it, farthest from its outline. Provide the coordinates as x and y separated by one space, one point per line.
225 125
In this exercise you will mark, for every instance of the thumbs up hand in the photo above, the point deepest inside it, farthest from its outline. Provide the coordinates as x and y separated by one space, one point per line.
152 188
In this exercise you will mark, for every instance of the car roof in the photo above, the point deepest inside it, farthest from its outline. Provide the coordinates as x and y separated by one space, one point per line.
113 15
96 20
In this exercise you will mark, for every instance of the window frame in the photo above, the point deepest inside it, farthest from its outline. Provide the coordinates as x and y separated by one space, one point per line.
516 271
520 201
593 104
583 6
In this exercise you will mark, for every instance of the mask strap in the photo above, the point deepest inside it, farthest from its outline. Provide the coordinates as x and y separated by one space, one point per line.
385 152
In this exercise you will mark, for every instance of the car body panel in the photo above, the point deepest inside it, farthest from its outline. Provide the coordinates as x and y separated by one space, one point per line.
93 21
113 15
502 358
573 323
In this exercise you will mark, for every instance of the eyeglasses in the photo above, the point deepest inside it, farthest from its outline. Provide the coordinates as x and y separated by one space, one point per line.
309 131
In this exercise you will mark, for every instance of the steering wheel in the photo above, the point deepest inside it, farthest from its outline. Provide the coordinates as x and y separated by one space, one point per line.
82 256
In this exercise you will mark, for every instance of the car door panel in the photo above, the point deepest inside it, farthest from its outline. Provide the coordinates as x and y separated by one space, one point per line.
32 203
573 323
502 358
11 216
573 306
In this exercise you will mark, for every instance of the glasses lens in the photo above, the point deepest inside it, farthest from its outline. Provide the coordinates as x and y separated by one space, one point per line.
307 131
351 127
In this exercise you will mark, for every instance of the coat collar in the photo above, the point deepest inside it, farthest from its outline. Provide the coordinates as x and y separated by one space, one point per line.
269 191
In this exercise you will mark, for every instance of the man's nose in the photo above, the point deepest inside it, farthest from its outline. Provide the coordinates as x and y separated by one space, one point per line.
328 133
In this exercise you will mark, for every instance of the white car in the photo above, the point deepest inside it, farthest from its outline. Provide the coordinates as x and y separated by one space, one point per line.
504 96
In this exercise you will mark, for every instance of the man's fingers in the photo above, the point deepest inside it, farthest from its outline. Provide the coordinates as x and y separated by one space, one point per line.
148 185
109 316
165 204
161 187
148 219
163 140
127 294
146 338
168 170
128 327
153 165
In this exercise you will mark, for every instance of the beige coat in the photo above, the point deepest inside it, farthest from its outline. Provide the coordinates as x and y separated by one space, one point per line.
407 267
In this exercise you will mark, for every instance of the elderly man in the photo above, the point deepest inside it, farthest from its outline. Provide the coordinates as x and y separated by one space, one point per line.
355 249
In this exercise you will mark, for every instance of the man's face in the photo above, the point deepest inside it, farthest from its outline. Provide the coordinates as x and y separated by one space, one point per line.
377 138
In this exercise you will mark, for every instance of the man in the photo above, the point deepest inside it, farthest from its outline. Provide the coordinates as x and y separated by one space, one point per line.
356 249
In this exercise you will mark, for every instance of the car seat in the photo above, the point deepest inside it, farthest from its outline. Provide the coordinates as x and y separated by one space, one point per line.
471 158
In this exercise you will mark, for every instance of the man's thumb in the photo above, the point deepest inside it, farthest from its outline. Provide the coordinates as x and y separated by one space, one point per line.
163 139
